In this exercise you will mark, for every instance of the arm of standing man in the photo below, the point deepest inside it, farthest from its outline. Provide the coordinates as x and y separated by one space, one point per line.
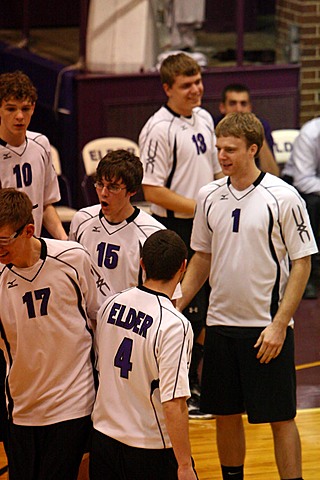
197 273
169 199
52 223
177 423
272 337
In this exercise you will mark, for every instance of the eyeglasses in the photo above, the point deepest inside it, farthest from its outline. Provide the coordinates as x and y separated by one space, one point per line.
11 239
111 187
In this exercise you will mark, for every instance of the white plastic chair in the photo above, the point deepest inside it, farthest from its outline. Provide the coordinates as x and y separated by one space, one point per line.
93 152
64 209
96 149
283 143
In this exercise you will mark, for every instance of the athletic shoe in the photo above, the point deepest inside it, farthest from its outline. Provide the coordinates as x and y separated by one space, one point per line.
194 409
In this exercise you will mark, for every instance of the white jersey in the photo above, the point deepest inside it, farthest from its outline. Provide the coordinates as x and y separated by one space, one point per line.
250 234
185 12
178 153
46 312
29 168
143 348
115 248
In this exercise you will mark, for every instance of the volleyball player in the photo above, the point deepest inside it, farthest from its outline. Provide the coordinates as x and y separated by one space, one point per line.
25 163
114 231
48 305
236 98
25 157
246 227
177 149
143 347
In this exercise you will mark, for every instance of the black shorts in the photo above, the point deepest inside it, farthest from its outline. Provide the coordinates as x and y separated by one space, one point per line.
234 381
113 460
51 452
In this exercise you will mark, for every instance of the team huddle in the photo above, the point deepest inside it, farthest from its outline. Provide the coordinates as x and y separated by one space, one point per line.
101 329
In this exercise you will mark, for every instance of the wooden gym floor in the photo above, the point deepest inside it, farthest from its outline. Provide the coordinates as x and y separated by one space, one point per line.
260 464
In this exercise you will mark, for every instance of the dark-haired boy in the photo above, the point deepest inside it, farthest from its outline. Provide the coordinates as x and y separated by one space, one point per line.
25 156
143 348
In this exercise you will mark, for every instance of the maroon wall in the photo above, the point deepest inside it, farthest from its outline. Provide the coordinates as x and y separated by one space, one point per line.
57 13
114 105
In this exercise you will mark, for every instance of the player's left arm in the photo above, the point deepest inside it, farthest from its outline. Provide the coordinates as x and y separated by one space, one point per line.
177 423
270 342
90 287
52 223
197 273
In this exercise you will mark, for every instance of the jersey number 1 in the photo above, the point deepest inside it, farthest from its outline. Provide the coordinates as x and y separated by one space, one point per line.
236 220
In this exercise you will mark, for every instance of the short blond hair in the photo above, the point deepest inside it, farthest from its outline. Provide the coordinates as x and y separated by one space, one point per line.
242 125
179 64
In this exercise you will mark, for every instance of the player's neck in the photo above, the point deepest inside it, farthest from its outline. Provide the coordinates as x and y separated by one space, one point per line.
120 215
184 112
30 255
14 140
160 286
243 181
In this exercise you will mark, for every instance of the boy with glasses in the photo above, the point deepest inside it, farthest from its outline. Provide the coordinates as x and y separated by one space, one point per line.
114 231
48 306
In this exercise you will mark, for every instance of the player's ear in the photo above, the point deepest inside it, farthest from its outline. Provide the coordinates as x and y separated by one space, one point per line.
183 267
253 149
29 230
166 89
131 193
142 265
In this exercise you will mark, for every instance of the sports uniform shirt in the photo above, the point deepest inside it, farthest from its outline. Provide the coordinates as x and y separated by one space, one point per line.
178 153
249 235
29 168
143 348
304 162
45 314
115 248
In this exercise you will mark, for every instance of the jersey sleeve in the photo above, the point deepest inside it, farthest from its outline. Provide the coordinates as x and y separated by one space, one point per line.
89 287
51 189
77 219
174 356
201 235
295 224
155 153
305 163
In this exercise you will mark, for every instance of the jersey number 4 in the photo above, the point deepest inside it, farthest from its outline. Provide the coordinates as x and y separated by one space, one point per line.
122 357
